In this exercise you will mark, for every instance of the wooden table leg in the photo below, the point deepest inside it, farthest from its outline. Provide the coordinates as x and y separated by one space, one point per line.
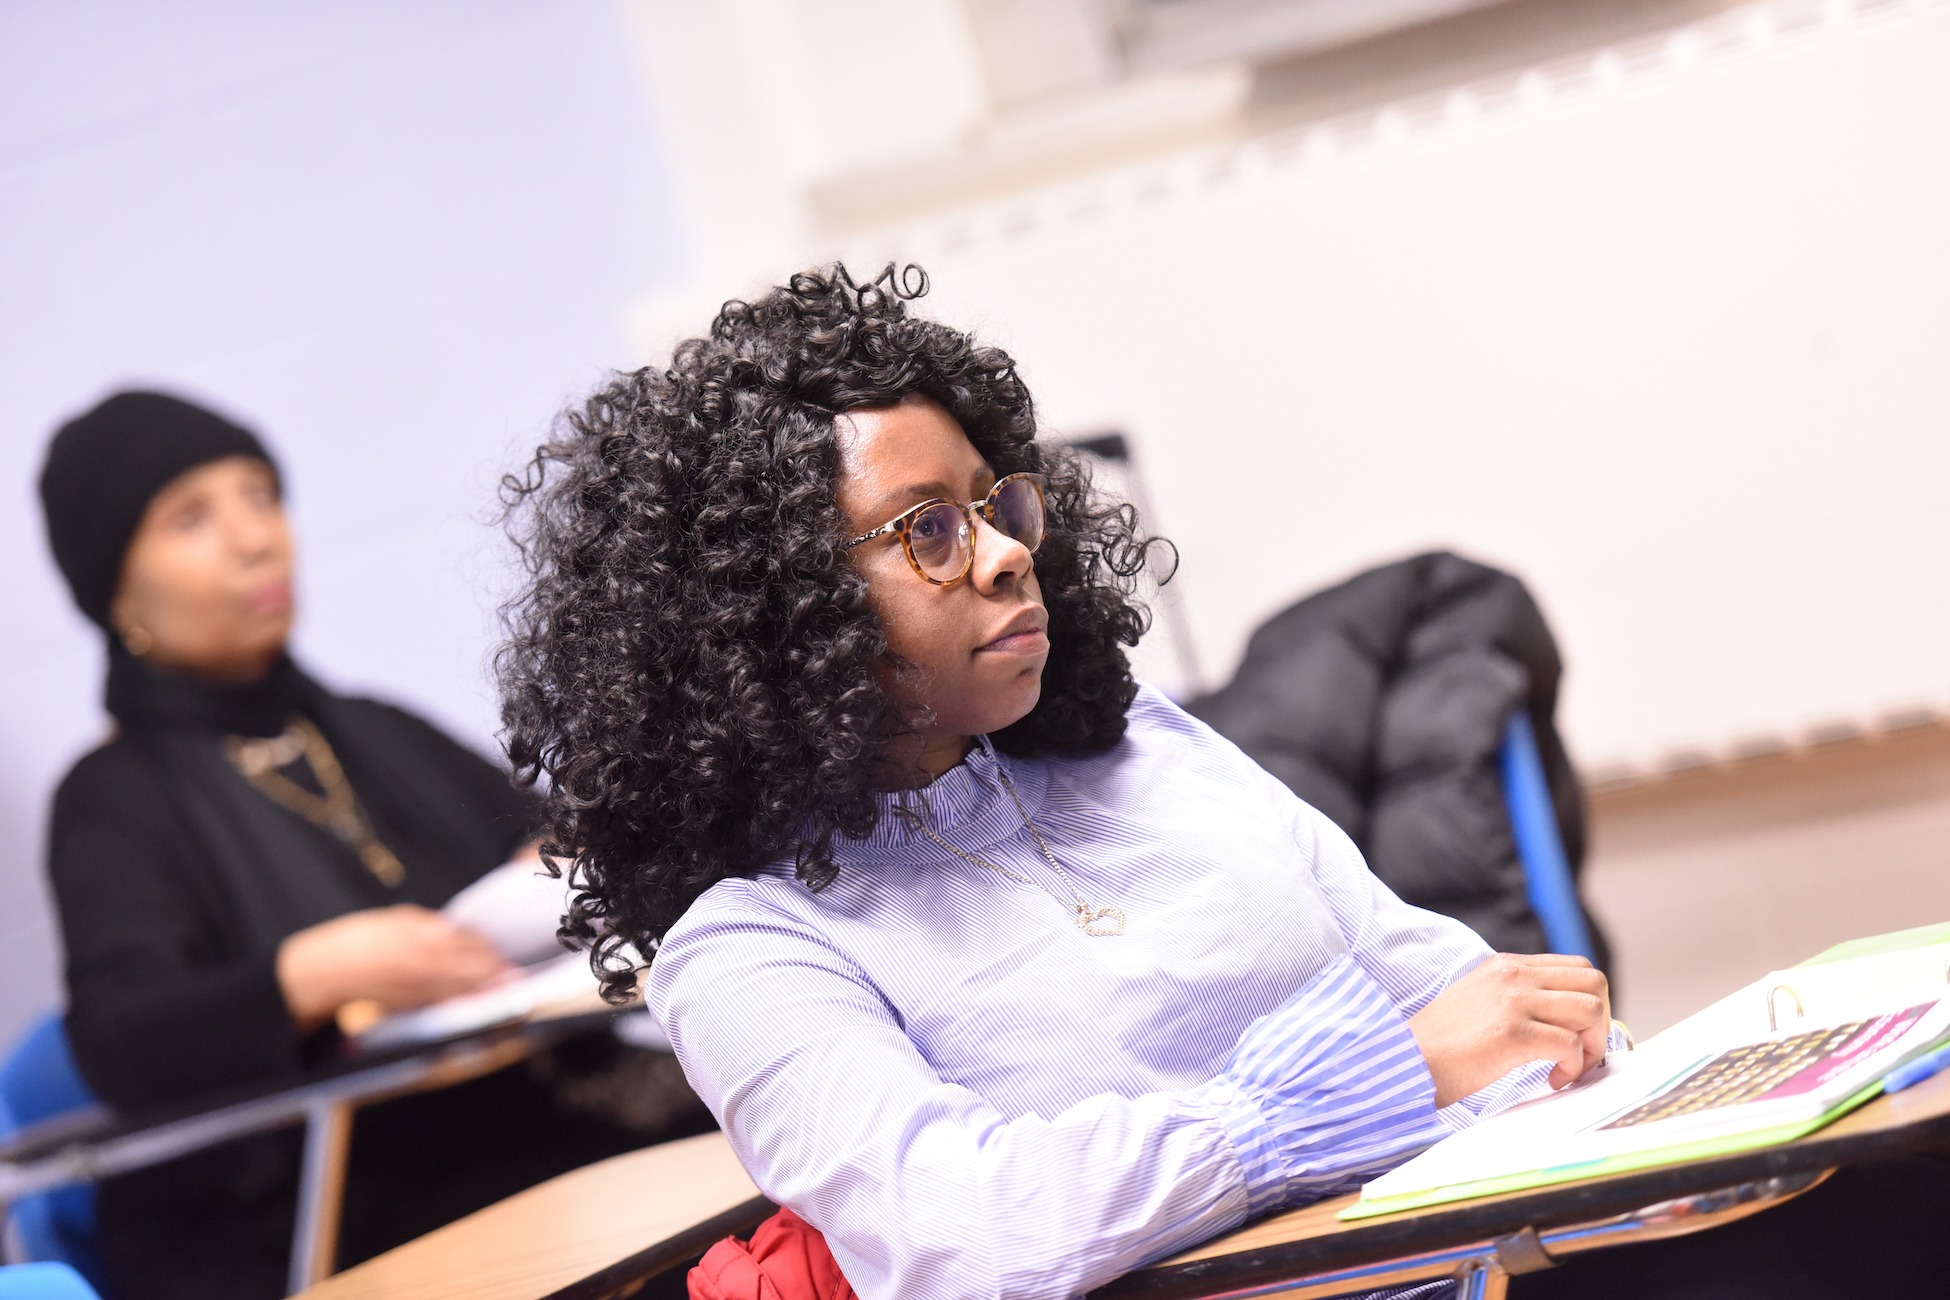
321 1194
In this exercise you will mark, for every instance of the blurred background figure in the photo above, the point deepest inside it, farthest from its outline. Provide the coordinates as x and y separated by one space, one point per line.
252 854
1639 300
369 228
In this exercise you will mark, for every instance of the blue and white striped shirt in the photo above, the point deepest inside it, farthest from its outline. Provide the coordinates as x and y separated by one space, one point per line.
970 1097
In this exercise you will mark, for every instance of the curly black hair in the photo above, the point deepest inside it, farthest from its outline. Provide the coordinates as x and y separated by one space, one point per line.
691 662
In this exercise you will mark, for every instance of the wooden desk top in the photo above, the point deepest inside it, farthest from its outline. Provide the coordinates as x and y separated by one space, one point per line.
583 1233
593 1230
1312 1240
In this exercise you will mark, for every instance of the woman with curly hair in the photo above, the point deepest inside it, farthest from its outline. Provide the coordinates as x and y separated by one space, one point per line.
996 967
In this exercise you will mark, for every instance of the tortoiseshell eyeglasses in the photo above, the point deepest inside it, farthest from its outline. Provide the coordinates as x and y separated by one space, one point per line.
939 536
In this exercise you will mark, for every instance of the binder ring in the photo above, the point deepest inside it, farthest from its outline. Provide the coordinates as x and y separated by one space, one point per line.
1773 994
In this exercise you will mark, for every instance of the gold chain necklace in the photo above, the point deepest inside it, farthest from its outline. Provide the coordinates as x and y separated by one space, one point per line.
1097 922
337 811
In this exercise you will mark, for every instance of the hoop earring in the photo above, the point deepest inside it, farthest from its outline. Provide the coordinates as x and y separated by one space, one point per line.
137 641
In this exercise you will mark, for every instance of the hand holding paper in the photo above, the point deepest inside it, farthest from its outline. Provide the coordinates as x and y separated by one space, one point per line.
517 907
514 911
391 957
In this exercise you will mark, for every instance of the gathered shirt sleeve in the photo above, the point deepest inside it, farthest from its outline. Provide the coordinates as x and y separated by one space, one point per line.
925 1190
1411 953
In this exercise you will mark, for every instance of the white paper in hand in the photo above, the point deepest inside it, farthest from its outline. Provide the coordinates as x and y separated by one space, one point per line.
504 1002
516 907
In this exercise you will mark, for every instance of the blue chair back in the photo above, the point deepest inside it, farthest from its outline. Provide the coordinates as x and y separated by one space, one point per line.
1540 847
38 1081
44 1282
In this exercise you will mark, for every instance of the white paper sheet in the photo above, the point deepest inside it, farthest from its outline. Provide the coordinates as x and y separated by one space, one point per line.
517 908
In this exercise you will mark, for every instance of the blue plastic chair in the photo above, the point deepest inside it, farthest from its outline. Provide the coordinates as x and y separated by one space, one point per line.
38 1081
1540 847
44 1282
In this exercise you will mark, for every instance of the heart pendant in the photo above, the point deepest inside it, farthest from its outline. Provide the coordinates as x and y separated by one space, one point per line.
1100 922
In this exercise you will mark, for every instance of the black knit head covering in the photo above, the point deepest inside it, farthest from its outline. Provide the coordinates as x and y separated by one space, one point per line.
106 465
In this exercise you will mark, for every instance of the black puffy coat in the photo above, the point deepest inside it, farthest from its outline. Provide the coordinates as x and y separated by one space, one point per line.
1382 702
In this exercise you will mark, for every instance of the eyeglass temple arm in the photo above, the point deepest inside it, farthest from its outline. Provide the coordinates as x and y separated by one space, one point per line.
888 527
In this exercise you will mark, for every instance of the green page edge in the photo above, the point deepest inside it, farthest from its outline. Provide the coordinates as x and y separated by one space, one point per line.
1619 1164
1921 937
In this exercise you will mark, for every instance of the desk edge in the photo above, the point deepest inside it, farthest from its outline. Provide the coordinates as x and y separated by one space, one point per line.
1477 1220
659 1256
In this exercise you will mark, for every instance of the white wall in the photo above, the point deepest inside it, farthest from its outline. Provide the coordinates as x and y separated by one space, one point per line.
393 237
1661 327
1675 350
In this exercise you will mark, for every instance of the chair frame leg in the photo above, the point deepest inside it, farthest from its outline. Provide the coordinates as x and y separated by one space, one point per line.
1481 1280
321 1194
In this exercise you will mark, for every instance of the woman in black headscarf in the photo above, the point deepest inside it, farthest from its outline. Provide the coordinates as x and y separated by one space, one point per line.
248 855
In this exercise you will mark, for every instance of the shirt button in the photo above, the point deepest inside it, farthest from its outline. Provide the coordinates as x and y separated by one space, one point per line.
1223 1095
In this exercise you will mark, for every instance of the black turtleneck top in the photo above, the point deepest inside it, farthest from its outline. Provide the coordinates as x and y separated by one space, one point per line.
176 879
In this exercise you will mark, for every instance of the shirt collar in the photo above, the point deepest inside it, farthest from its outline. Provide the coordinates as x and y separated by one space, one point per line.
967 805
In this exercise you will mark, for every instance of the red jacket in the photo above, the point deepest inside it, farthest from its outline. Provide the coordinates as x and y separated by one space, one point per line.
786 1259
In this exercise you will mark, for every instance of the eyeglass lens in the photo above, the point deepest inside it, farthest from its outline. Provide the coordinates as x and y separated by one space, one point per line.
940 538
1019 512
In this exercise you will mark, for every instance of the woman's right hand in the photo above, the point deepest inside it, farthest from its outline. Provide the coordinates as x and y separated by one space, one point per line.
400 957
1510 1010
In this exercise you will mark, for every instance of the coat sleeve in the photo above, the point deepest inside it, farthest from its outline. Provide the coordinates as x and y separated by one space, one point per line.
158 1011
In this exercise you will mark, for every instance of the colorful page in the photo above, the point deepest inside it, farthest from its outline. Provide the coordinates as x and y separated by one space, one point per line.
1717 1082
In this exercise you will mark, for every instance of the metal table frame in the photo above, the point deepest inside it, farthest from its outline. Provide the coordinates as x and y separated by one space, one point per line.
1483 1269
94 1144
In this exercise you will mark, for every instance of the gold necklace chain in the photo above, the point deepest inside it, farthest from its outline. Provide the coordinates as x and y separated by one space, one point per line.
1097 922
337 811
